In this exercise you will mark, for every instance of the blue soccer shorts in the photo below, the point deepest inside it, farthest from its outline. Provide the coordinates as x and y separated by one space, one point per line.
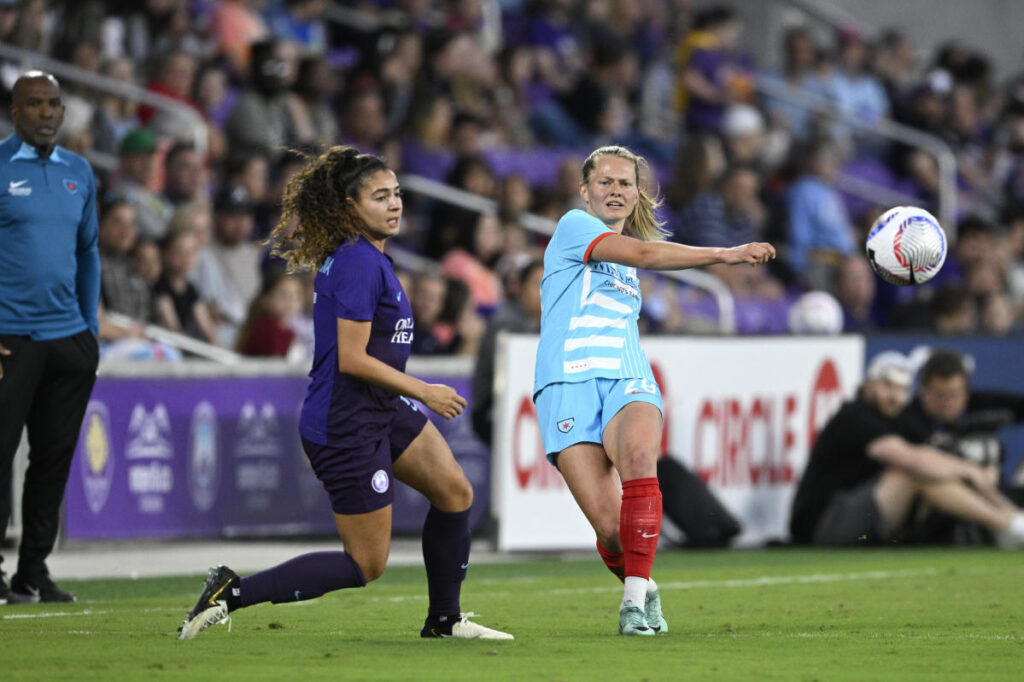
571 413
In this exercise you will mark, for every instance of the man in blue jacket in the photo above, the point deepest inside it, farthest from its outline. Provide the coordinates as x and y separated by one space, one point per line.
49 294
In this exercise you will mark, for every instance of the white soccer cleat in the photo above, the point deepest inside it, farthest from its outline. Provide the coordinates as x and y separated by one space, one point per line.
193 625
467 629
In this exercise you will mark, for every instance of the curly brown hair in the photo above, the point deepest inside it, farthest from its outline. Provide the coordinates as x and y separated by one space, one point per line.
315 217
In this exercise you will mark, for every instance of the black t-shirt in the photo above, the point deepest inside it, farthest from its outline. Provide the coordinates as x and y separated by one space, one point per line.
974 436
839 461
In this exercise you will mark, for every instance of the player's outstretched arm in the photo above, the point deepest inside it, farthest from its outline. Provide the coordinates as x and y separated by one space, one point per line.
353 335
672 256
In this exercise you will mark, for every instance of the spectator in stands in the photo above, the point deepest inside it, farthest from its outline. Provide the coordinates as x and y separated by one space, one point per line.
863 480
895 65
226 308
237 257
998 316
364 118
854 89
452 226
954 311
476 268
799 61
250 168
115 116
730 213
184 175
820 233
269 328
177 303
459 327
301 22
518 315
260 119
398 72
712 75
427 296
135 179
148 261
175 79
236 27
122 289
743 131
699 165
855 291
316 88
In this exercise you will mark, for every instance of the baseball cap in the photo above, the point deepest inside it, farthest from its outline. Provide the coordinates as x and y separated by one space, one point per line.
742 119
233 199
139 141
891 365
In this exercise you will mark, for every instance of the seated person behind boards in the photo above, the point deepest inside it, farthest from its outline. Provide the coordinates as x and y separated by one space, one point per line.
863 480
950 415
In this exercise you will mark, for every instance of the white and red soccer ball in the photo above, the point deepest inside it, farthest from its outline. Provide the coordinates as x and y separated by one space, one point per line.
906 245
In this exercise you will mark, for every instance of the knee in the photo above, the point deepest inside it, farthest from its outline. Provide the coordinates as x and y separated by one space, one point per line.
372 566
607 530
637 461
456 495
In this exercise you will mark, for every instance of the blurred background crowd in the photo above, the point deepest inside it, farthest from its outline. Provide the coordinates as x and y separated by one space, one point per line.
503 99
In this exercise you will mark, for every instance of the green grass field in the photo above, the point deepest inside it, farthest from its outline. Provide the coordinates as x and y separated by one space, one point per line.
741 615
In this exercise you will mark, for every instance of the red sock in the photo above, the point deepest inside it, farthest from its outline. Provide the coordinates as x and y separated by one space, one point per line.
615 561
640 524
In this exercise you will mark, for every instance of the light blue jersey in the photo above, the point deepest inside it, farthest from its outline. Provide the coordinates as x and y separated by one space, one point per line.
588 326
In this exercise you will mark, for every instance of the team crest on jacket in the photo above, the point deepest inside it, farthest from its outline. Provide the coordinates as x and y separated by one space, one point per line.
565 425
71 186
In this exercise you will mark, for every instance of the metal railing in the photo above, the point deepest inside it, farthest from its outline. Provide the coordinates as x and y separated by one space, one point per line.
539 225
890 130
181 341
68 72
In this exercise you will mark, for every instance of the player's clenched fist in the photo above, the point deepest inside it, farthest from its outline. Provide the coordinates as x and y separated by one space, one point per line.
754 253
444 400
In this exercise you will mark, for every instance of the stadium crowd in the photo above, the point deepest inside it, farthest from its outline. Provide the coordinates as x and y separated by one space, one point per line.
502 98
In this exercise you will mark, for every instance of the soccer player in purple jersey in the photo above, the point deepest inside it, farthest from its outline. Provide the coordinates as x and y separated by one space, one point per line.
598 404
358 427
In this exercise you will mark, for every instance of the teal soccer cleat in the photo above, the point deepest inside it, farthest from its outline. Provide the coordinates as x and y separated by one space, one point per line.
652 610
633 622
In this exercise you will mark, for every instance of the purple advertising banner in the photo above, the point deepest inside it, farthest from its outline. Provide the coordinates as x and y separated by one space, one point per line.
172 457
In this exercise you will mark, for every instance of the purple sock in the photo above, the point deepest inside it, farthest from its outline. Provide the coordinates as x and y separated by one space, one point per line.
307 576
446 556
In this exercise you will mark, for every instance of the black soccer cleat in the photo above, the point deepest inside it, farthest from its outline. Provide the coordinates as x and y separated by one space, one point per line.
212 606
36 588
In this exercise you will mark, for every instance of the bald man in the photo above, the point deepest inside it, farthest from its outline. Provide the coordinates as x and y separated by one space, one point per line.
49 295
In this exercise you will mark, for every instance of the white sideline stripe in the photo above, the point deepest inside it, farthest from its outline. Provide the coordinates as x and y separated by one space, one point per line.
53 614
596 321
702 584
587 364
594 341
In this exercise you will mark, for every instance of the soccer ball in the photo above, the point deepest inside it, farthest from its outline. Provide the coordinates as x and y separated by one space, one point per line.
906 245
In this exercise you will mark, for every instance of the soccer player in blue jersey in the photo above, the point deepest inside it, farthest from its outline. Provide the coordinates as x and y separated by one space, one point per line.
358 426
598 405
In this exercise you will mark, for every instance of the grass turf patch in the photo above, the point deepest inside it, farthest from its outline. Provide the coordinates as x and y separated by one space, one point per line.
781 614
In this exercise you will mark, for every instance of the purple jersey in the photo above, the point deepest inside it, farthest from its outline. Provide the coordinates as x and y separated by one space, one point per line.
357 283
